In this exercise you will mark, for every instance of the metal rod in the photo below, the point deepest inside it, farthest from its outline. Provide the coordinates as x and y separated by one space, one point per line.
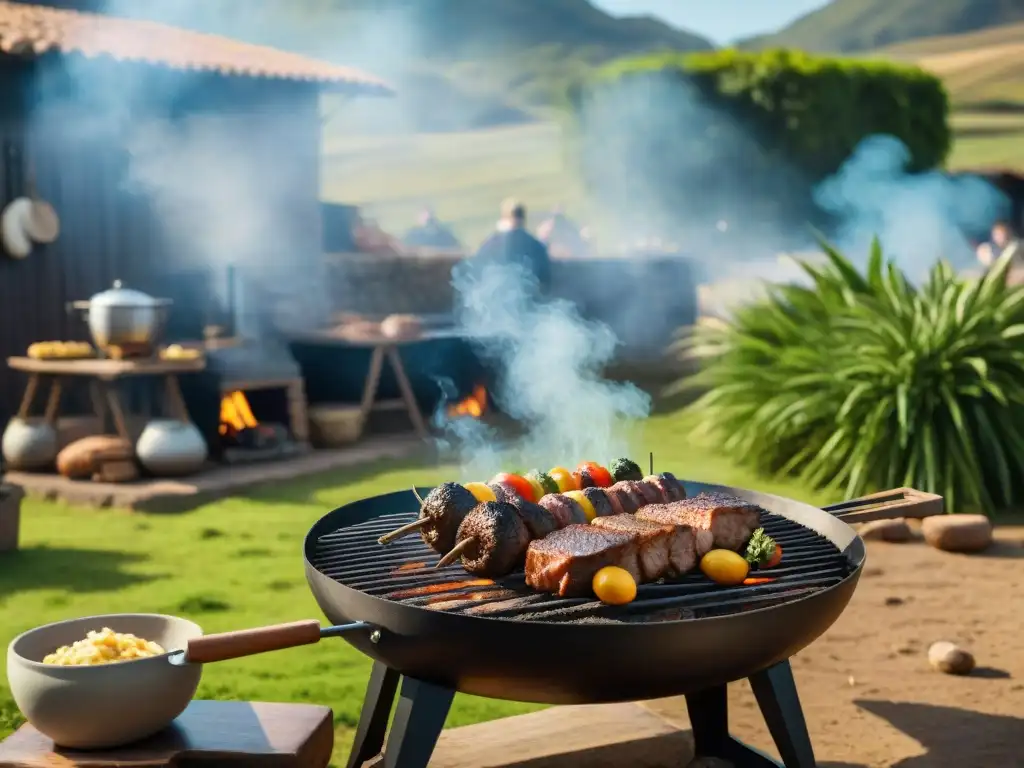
343 629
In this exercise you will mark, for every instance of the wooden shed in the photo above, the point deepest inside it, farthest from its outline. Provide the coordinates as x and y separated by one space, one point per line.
56 130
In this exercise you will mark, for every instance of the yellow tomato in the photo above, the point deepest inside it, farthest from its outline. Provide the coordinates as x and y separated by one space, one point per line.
563 477
584 502
538 489
615 586
480 492
723 566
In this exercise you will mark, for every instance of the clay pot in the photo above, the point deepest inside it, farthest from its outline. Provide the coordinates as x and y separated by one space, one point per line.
168 447
29 445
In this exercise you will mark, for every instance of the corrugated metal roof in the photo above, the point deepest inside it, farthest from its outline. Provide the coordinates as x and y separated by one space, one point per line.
34 30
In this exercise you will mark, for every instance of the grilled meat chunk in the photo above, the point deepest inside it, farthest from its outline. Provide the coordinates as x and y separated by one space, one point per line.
538 520
627 499
670 489
500 539
565 562
599 499
503 493
563 509
650 492
664 550
727 521
446 506
676 491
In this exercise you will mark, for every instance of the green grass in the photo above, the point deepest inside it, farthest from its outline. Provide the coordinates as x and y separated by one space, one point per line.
464 176
237 563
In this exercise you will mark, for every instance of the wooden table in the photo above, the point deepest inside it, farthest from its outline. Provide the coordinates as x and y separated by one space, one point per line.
103 375
237 734
382 349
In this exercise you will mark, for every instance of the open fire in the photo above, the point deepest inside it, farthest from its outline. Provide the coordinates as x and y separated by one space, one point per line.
239 426
474 406
235 414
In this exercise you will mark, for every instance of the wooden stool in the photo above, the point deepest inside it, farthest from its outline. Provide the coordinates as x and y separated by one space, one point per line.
237 734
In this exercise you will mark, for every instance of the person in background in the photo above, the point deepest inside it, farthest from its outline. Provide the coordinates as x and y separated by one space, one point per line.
561 235
429 232
1001 239
512 244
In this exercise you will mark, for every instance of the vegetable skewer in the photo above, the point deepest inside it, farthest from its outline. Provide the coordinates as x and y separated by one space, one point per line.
435 529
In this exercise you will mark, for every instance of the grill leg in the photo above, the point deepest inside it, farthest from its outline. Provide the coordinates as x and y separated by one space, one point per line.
776 695
775 690
373 720
419 718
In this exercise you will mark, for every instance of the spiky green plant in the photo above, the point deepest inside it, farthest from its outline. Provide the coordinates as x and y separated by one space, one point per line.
865 381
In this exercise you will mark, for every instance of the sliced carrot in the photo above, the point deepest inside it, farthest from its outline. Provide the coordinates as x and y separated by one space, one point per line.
757 580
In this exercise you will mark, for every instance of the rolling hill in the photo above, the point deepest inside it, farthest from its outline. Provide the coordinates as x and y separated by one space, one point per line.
862 25
983 68
470 63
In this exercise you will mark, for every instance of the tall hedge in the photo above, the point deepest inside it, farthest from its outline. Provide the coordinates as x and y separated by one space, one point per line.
788 118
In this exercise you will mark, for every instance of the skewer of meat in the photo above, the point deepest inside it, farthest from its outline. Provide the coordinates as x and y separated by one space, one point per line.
441 514
559 511
474 536
447 500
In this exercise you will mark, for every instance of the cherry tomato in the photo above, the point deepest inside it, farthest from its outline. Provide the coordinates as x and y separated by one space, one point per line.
723 566
517 483
563 477
480 492
600 476
584 502
614 585
775 558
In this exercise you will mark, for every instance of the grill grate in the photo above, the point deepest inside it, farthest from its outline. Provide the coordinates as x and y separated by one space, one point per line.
404 572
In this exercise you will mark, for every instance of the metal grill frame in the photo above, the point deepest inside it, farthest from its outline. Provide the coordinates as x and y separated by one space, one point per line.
548 662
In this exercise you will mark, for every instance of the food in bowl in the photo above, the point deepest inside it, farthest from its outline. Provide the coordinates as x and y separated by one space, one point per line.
103 647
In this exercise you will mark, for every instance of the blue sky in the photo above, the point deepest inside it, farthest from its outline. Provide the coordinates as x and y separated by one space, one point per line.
720 20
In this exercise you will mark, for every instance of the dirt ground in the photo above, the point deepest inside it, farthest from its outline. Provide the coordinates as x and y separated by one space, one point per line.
867 690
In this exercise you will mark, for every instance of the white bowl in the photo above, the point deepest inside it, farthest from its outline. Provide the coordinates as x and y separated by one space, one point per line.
106 705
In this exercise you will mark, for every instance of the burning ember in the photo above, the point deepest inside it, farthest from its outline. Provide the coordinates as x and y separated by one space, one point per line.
235 414
473 406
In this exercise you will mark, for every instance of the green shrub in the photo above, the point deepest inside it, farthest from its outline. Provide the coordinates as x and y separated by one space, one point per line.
868 382
815 110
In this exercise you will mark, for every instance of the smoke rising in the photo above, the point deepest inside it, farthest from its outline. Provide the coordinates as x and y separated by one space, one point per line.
919 218
550 363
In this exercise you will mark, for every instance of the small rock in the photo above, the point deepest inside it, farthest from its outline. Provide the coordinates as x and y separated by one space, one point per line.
958 533
894 601
949 658
895 531
851 680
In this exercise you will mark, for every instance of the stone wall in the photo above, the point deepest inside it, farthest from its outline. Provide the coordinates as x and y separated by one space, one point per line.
381 285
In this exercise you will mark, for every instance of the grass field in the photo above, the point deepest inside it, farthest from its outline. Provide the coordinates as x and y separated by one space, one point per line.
237 563
466 175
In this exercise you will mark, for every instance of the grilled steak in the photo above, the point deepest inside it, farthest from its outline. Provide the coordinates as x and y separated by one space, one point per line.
728 519
563 509
664 550
499 538
565 562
